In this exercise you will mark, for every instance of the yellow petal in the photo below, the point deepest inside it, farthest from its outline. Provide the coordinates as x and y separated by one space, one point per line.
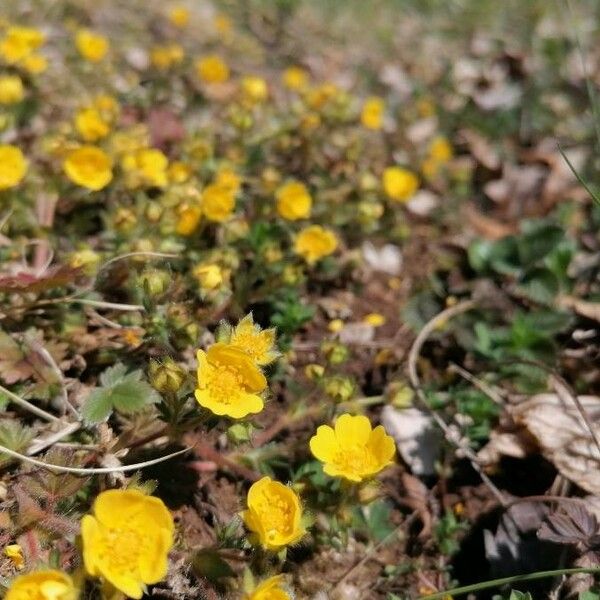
324 444
115 506
153 560
89 534
382 445
352 430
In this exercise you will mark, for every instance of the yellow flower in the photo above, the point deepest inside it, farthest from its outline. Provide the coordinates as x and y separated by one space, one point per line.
256 343
314 243
107 106
189 219
440 149
374 319
15 553
210 276
335 325
127 539
179 172
164 57
295 78
229 382
320 95
146 167
269 589
92 46
218 202
42 585
212 69
226 178
353 449
13 166
400 184
372 113
179 16
89 167
293 201
90 125
11 89
223 24
254 89
35 63
19 42
274 514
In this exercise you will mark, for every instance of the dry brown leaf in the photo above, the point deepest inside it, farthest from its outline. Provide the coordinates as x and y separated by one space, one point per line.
589 310
563 435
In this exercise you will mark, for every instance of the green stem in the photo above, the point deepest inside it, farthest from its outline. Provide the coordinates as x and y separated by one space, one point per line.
475 587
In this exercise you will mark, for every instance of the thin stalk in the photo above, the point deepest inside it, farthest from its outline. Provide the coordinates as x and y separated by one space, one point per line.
30 407
493 583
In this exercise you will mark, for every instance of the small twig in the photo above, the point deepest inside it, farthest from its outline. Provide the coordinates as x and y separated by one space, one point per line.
492 393
92 470
28 406
43 443
413 357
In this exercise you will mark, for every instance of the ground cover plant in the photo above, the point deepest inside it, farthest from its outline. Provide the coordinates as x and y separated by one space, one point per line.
299 300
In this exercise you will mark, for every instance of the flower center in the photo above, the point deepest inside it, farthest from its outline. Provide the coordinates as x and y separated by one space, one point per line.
356 460
276 515
119 550
224 383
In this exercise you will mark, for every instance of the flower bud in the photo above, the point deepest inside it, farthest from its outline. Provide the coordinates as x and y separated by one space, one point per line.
166 376
339 388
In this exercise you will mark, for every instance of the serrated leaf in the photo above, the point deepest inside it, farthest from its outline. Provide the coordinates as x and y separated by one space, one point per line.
97 407
129 396
113 375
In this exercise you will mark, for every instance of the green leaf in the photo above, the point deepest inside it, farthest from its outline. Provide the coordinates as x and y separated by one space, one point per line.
113 375
538 240
208 564
540 285
516 595
97 407
127 393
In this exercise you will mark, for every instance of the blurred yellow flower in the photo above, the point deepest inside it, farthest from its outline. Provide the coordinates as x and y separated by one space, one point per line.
218 202
189 217
11 89
179 16
400 184
15 553
145 167
314 243
127 539
210 276
274 514
19 42
92 46
440 149
353 449
89 167
335 325
229 383
90 125
212 69
293 201
295 78
107 106
35 63
372 113
13 166
165 57
254 89
179 172
226 178
269 589
318 96
374 319
223 24
42 585
256 343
